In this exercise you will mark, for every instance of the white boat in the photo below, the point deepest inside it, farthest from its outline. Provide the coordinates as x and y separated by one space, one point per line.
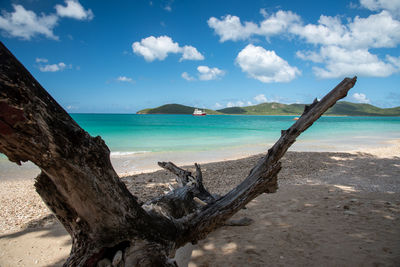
199 112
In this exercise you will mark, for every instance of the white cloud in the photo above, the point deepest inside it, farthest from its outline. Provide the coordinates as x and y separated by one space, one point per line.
264 65
344 48
395 61
340 62
71 107
75 10
375 5
310 55
231 28
278 23
361 98
53 67
124 79
187 77
26 24
41 60
190 53
352 37
152 48
260 98
235 104
218 106
167 5
206 73
377 31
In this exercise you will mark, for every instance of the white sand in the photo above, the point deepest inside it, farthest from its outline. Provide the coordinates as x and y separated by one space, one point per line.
332 209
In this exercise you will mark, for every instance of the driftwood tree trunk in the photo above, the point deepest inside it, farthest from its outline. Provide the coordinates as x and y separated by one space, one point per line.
80 186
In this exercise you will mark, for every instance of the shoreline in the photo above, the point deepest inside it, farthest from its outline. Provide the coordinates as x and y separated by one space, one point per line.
132 163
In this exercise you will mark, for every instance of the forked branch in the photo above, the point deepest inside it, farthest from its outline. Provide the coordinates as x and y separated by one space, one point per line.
80 186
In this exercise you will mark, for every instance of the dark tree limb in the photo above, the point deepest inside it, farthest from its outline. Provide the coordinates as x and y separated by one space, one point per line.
79 184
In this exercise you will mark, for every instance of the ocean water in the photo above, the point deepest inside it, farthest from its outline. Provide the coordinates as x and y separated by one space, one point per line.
137 142
131 133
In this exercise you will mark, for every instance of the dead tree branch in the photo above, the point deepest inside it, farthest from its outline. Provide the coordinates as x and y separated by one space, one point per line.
79 184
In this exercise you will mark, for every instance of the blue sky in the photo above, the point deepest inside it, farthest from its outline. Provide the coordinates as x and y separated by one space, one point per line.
122 56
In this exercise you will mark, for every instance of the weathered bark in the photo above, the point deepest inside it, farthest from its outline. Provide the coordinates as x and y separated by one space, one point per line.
79 184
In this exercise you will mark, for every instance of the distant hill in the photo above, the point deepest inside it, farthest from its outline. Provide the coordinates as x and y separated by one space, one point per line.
266 109
342 108
174 109
354 109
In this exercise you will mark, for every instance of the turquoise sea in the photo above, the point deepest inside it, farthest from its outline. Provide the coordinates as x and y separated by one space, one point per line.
137 142
131 133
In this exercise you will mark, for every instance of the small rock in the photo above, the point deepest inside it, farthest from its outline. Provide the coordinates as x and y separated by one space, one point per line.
117 258
104 263
354 200
346 207
349 212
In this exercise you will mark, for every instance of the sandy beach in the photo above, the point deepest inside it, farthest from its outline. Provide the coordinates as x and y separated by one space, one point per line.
331 209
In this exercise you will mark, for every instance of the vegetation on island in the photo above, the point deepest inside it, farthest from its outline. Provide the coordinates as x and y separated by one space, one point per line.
342 108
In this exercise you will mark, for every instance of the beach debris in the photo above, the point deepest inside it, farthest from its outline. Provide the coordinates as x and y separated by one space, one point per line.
245 221
117 258
349 212
104 263
78 180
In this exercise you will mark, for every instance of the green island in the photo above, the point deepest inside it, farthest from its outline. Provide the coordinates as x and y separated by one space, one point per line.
342 108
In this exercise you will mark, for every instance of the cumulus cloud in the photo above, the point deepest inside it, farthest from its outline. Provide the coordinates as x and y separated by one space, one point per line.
152 48
26 24
190 53
238 103
207 73
375 31
341 62
278 22
187 77
124 79
344 48
231 28
392 6
260 98
361 98
395 61
53 67
350 36
74 9
265 65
